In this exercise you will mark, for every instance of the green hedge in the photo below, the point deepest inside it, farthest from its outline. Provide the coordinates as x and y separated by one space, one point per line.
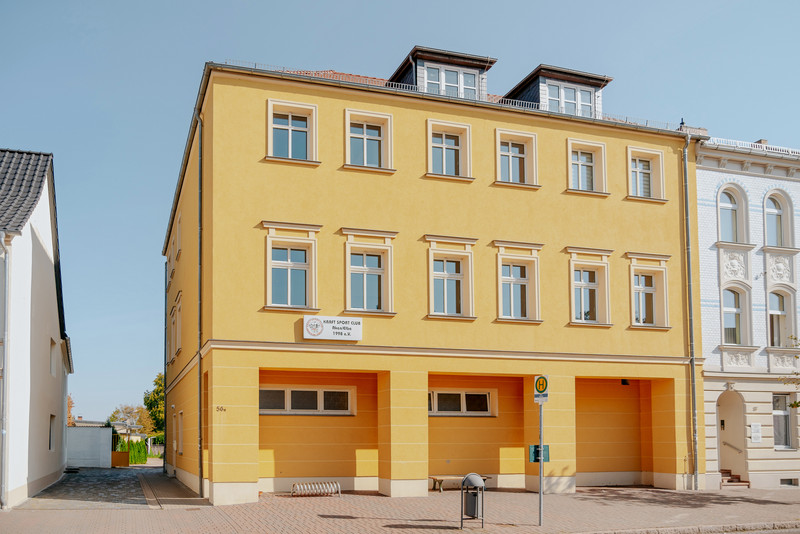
138 452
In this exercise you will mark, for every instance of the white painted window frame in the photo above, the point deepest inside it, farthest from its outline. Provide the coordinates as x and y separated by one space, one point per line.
744 309
384 120
656 159
309 243
579 261
787 217
742 219
453 254
660 289
297 108
516 253
598 151
528 140
359 241
578 102
443 87
465 144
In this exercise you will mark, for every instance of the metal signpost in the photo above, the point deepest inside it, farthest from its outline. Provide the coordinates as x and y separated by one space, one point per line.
540 384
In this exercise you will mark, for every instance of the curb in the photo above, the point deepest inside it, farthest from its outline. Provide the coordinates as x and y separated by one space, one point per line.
708 529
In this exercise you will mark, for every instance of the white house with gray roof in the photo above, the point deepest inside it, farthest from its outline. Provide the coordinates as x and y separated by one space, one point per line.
35 355
749 236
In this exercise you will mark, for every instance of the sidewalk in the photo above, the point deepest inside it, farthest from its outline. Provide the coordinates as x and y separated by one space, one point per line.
171 507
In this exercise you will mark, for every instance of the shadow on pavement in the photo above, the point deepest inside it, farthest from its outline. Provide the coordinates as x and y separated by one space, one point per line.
657 497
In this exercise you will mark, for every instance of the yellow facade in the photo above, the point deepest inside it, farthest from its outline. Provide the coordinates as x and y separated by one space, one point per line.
599 431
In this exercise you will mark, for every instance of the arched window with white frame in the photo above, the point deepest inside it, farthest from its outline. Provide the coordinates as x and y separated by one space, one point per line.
735 316
732 216
777 221
780 323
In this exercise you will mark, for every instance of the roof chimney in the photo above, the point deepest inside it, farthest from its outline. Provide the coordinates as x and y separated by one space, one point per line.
762 142
80 418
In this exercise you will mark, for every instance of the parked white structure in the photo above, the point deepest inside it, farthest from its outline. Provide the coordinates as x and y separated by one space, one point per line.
749 236
35 355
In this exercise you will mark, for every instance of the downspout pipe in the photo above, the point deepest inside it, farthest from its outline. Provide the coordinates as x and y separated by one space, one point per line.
690 297
4 380
199 300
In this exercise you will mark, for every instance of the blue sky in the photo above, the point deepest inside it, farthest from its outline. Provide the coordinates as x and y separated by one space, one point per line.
108 88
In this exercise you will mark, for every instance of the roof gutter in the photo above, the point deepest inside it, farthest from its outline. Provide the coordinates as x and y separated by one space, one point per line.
199 121
4 375
690 298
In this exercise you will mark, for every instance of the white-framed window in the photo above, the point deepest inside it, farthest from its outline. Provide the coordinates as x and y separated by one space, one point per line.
454 402
648 290
306 400
732 215
449 149
778 223
586 166
781 422
780 326
516 157
585 288
644 297
291 265
589 286
452 81
369 270
369 139
450 279
292 130
170 264
570 99
646 171
735 315
518 281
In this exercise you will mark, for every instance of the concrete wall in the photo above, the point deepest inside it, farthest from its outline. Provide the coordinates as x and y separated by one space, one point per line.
88 446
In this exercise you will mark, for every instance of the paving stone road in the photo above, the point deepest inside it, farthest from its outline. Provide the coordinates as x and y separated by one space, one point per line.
82 504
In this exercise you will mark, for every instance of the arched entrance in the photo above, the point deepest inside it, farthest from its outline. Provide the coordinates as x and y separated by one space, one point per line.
731 433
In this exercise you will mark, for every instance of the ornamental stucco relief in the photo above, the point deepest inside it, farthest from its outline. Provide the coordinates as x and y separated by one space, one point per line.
737 359
734 265
780 268
783 360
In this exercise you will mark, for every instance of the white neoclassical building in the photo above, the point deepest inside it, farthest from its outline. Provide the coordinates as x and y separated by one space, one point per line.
749 239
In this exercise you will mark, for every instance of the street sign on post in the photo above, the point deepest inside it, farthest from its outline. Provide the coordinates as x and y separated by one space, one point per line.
540 385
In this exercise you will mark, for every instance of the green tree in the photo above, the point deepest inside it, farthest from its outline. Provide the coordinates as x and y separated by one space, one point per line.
154 401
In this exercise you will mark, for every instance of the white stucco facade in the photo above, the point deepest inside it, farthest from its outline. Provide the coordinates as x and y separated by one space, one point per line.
745 357
37 360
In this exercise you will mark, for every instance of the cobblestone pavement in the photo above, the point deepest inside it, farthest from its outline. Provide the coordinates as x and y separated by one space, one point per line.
91 489
589 510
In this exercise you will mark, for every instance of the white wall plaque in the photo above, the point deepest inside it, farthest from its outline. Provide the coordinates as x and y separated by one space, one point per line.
319 327
755 432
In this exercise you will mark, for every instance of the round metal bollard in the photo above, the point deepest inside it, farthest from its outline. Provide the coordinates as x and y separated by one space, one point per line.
472 497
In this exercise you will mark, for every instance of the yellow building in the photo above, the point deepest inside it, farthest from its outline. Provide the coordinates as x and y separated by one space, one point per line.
381 268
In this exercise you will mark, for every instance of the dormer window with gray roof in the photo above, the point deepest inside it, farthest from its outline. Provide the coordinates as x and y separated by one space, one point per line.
444 73
560 90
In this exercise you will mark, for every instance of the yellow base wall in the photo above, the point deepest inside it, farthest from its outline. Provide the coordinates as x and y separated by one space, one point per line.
320 445
612 424
460 445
